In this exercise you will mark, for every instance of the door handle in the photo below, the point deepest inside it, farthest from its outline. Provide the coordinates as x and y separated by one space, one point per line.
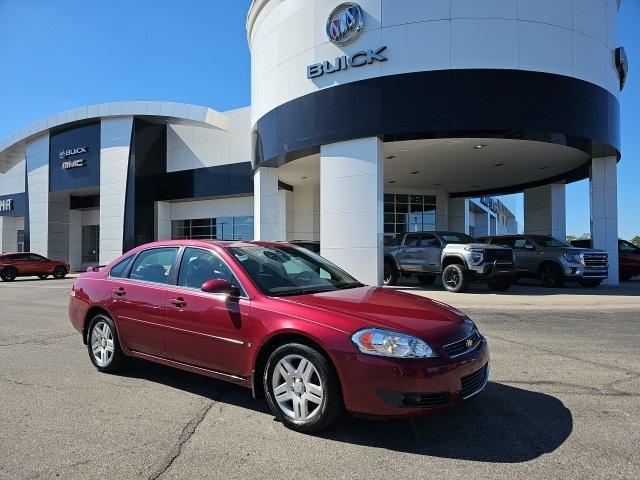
119 291
178 302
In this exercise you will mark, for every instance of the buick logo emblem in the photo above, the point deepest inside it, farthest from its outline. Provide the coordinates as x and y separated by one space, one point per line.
345 23
469 343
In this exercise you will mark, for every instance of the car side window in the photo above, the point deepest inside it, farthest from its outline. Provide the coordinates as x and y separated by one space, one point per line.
119 270
154 265
429 240
521 243
625 246
412 241
199 266
35 258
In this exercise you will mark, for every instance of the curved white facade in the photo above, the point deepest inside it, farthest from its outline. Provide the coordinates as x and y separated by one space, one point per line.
574 38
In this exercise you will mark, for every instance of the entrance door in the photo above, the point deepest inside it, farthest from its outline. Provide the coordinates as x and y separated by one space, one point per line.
90 244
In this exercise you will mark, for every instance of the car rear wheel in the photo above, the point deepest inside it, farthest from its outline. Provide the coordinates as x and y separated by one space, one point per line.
59 272
590 283
302 389
551 275
391 273
500 285
455 278
8 274
103 345
426 279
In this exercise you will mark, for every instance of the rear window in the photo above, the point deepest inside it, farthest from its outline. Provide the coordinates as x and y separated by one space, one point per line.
450 237
120 269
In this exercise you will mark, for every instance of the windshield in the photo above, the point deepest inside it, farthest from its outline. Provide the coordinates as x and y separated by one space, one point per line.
390 241
549 242
279 271
451 237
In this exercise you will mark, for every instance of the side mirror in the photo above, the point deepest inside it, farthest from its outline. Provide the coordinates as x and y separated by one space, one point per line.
93 269
218 285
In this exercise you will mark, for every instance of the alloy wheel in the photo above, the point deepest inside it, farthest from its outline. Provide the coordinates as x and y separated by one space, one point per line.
453 279
297 388
102 345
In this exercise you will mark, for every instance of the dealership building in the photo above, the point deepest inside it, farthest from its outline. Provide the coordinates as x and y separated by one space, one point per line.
367 120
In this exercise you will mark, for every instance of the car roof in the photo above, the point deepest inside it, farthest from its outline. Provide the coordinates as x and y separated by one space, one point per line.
209 243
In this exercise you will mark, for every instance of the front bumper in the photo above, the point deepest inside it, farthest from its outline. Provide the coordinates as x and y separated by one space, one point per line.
577 271
493 270
378 386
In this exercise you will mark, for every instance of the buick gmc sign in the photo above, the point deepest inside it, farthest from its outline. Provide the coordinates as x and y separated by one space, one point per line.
74 157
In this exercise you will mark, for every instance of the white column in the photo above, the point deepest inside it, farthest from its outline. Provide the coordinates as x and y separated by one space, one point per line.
442 210
163 221
459 215
4 230
266 201
285 215
59 226
306 212
351 207
603 192
38 181
545 211
75 240
115 146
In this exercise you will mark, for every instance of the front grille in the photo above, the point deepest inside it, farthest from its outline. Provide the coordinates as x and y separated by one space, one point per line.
426 399
596 260
461 347
474 382
498 255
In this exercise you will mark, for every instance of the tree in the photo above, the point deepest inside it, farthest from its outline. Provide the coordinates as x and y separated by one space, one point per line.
636 240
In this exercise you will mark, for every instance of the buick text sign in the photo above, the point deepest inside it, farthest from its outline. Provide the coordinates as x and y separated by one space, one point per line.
358 59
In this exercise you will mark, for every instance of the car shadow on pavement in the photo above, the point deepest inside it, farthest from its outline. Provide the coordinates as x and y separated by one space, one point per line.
504 424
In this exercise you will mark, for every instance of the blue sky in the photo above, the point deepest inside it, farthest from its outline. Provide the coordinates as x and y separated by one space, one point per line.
57 55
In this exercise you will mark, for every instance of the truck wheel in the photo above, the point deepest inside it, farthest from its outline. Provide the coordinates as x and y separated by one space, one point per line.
500 285
455 278
426 279
551 275
590 283
391 273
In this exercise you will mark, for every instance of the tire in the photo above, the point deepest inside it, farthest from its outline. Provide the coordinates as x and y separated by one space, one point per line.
105 359
292 405
59 272
551 275
43 276
500 285
426 279
455 278
391 274
8 274
590 283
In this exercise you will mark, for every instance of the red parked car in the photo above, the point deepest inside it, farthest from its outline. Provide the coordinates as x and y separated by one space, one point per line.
13 265
628 257
284 322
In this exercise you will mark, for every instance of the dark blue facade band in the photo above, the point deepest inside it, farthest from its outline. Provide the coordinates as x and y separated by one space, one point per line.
19 205
148 182
512 104
77 148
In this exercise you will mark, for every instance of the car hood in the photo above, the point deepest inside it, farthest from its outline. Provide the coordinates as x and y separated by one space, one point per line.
572 250
354 309
485 246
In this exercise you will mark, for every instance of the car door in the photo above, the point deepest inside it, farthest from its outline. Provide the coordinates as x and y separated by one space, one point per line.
36 264
526 254
138 300
629 257
430 252
408 255
205 329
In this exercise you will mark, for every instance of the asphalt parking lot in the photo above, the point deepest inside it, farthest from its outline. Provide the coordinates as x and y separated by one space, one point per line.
563 402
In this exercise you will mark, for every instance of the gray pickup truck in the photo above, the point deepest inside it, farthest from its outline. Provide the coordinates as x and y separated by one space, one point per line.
457 257
554 261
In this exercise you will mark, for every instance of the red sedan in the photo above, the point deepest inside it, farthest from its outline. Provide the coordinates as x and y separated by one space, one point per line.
14 265
284 322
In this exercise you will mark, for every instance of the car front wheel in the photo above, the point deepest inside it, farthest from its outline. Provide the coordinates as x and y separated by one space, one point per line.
103 344
391 273
59 272
455 278
551 275
301 388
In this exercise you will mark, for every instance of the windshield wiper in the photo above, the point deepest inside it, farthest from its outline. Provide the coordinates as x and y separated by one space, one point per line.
303 291
346 286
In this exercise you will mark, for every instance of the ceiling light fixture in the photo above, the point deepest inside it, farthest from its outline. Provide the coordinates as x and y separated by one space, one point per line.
414 173
478 147
392 181
390 157
499 165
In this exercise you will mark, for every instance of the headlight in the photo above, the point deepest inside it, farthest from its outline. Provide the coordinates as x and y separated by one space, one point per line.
476 256
385 343
572 257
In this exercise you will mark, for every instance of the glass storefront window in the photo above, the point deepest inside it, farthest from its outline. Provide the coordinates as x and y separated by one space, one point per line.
221 228
408 213
90 243
20 240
